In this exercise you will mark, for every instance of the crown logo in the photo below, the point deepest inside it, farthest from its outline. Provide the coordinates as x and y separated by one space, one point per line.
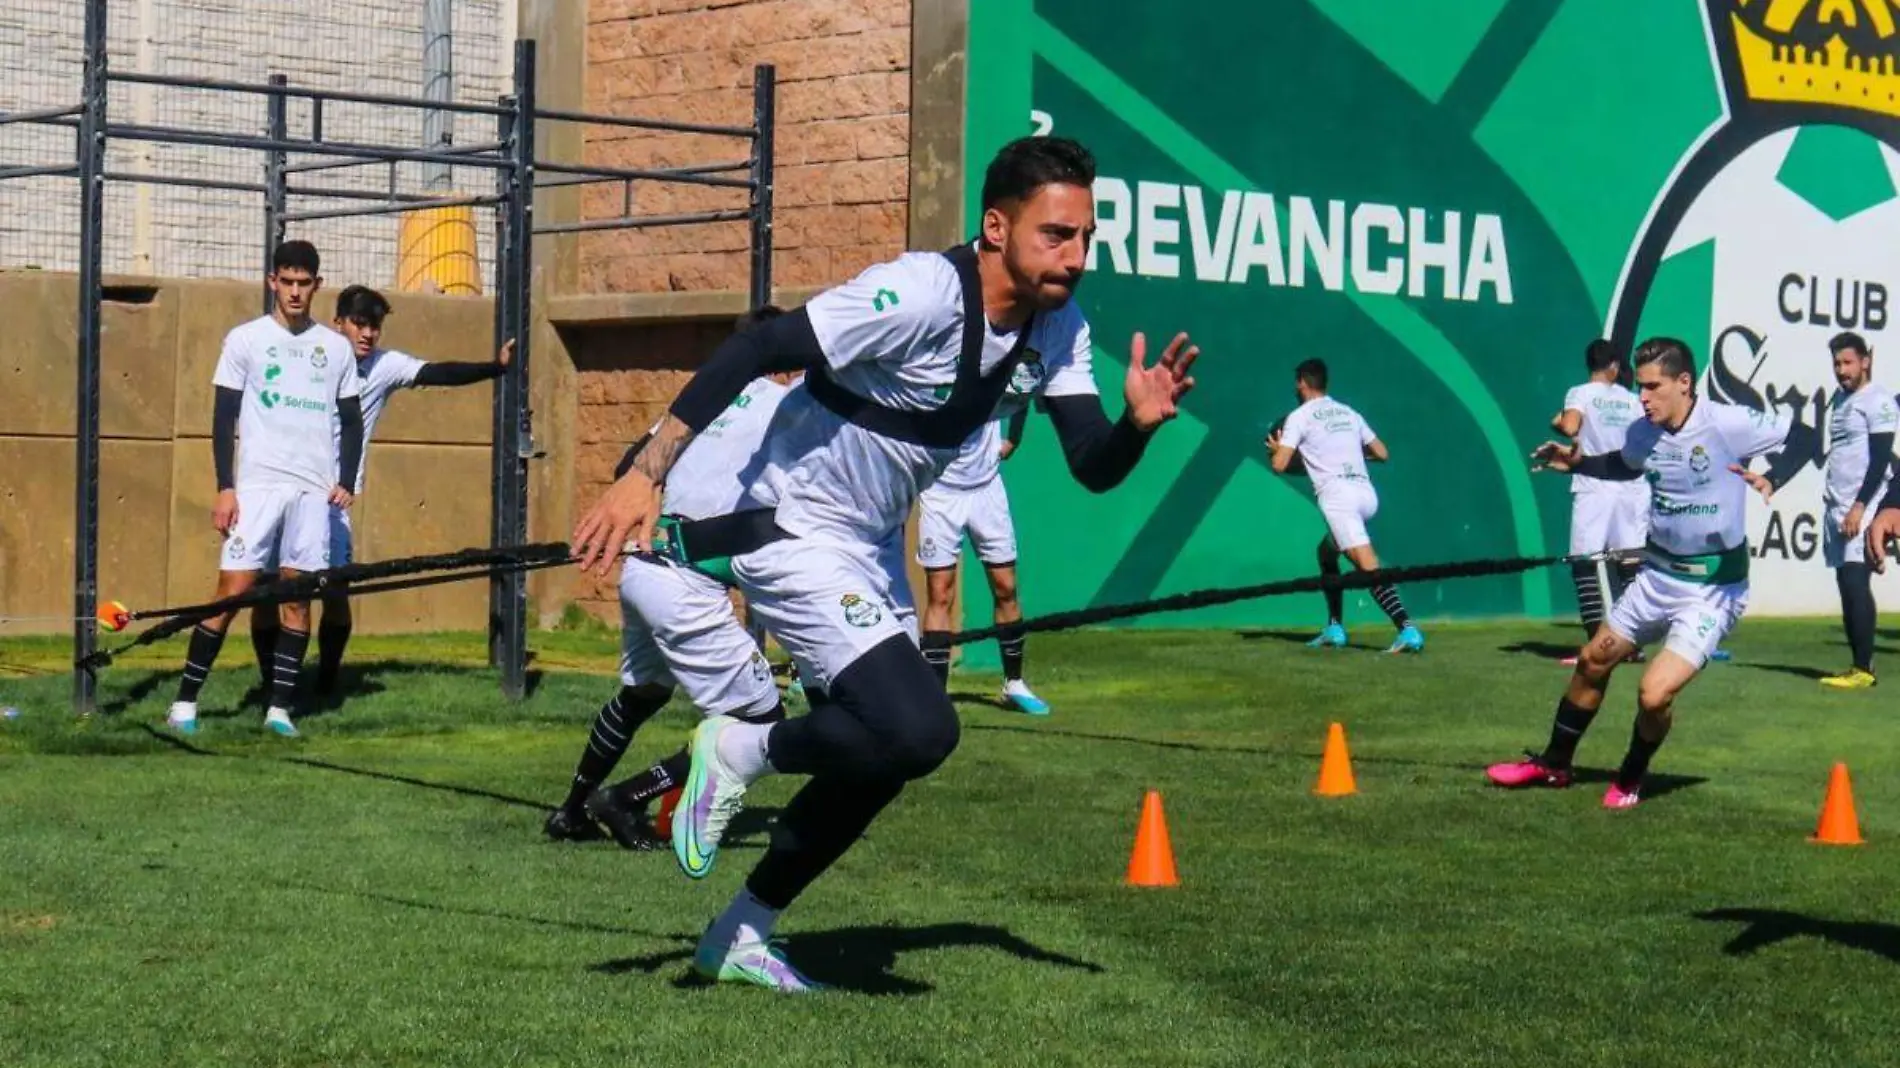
1832 53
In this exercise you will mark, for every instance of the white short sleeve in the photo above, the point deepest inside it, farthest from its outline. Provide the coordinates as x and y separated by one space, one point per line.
234 362
1883 415
348 383
1574 400
886 311
403 368
1366 436
1751 432
1294 431
1074 376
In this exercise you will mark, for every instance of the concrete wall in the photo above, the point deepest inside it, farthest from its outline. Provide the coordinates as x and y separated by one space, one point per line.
427 489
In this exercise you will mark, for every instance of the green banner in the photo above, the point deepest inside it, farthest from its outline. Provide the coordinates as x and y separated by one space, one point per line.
1446 202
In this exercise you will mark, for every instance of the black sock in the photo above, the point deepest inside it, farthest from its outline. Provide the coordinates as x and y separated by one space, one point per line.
291 647
656 780
1329 565
1583 573
264 632
1565 732
936 649
332 638
1388 599
1629 777
199 656
1858 614
612 733
1012 648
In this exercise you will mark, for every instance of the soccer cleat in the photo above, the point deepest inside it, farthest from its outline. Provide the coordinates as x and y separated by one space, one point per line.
1569 661
759 963
1017 693
1332 637
1721 656
1617 797
1851 679
1532 771
567 825
714 794
277 721
627 823
1410 640
183 717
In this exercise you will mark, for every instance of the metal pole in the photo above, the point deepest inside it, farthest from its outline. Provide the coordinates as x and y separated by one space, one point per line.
764 99
498 424
438 84
519 434
92 165
275 195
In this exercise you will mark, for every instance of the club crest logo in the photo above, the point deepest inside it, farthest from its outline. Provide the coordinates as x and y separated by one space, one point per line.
859 612
318 360
1028 376
234 546
761 671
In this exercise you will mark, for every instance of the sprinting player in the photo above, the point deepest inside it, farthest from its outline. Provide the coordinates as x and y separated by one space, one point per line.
1693 584
1605 514
1862 419
1332 443
360 312
969 498
904 363
678 630
286 385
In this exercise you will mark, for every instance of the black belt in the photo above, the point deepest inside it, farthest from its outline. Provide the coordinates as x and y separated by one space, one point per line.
691 541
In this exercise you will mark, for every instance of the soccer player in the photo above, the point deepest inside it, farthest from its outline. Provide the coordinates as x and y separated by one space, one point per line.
285 384
1862 418
969 497
1693 583
1605 514
1332 443
360 312
903 363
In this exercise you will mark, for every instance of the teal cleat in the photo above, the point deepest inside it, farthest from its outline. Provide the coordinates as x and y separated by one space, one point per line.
1018 694
1333 637
758 963
1408 641
714 793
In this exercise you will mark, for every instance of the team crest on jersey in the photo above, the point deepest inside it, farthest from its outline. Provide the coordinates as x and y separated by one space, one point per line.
234 546
1029 374
318 360
859 612
761 671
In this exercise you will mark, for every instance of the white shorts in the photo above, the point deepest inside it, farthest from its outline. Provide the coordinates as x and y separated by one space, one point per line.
1348 506
948 513
677 628
827 601
896 588
1690 618
1602 520
1837 550
279 527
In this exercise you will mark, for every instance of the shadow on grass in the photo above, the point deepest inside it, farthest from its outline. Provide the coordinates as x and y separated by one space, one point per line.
487 914
405 780
863 959
1542 650
1300 637
1766 927
1798 671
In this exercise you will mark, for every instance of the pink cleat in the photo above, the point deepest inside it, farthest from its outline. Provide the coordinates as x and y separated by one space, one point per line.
1617 797
1518 774
1569 661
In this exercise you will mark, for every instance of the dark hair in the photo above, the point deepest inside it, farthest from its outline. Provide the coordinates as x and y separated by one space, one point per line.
1847 339
1670 356
361 302
1311 373
1029 163
296 255
762 313
1601 355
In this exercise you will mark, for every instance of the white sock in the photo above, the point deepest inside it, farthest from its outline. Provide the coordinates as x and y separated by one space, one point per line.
746 920
277 713
1015 686
742 748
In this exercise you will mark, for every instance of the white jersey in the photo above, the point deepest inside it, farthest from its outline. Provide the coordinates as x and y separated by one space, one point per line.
383 372
1331 439
894 334
287 436
1852 419
978 462
1608 412
711 475
1697 506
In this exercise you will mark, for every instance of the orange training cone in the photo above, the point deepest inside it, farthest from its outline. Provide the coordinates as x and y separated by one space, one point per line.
1839 825
663 823
1335 767
1153 861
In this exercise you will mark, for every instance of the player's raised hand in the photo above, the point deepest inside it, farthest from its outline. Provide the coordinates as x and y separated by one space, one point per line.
625 512
1758 482
1154 393
507 354
1554 455
1884 528
224 514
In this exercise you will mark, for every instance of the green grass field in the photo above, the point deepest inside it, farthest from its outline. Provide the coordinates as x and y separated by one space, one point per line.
378 893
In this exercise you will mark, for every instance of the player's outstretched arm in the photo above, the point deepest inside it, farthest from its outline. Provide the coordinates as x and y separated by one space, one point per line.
630 506
467 374
1376 451
1567 422
1100 455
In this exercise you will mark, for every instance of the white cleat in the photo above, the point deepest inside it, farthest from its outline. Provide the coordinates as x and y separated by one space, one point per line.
183 717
